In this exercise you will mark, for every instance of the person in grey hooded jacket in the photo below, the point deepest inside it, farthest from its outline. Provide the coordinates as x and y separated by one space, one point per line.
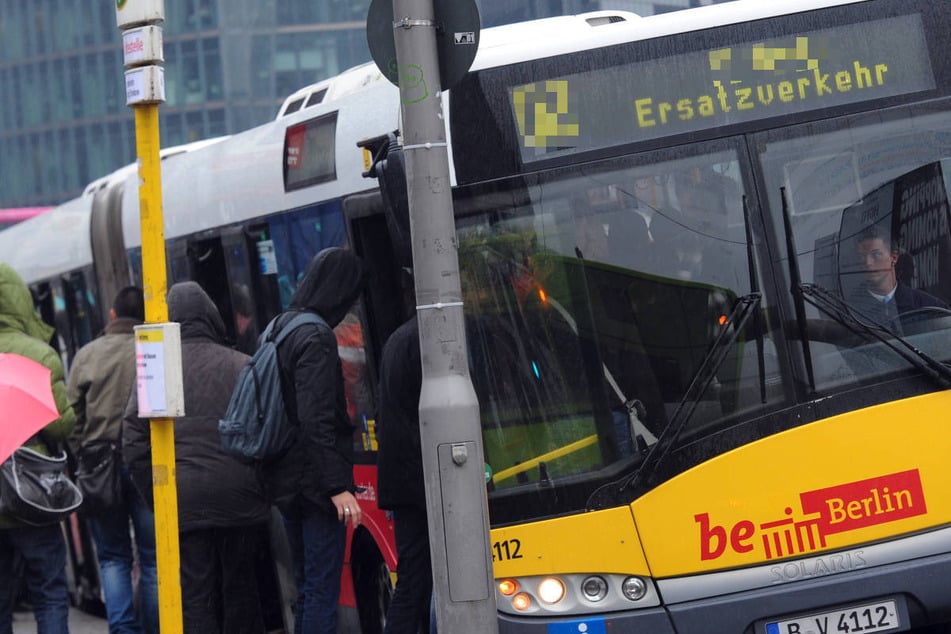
312 483
221 505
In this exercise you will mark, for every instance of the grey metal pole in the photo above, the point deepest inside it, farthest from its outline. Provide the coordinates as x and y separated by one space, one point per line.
451 435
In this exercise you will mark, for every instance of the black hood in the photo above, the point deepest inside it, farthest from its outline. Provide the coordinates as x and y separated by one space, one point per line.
189 305
331 284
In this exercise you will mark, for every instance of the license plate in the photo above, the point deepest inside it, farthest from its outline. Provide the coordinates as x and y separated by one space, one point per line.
881 616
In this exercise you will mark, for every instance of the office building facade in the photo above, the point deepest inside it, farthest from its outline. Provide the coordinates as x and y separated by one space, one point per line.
229 65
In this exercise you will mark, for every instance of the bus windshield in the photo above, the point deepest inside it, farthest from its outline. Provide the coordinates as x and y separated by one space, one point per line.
593 295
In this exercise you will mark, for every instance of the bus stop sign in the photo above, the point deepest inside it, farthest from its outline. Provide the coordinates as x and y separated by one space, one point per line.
457 38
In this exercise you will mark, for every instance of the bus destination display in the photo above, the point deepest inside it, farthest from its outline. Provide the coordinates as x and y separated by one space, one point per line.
309 152
644 100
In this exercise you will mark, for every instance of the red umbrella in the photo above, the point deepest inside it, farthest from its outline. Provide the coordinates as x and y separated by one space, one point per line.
26 401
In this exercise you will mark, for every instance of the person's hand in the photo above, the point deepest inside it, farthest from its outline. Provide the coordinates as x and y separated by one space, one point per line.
348 509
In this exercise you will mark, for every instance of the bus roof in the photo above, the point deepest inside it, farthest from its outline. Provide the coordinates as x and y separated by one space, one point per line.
525 41
58 240
27 246
325 91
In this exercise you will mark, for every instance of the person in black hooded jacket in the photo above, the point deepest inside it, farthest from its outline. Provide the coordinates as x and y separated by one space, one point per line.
312 483
222 510
400 484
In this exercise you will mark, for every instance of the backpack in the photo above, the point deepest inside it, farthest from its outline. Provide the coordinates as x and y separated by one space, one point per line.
255 426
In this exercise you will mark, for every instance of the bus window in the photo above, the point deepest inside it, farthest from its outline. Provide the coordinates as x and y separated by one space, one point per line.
135 265
298 236
868 205
179 269
81 309
68 341
45 303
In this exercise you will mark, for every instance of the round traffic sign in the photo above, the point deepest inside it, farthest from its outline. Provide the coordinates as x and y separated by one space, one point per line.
457 38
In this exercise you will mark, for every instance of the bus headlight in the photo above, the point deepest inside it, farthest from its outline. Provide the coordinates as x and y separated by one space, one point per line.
634 588
551 590
594 588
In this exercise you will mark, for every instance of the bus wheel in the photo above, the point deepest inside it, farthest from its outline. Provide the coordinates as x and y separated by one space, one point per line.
374 588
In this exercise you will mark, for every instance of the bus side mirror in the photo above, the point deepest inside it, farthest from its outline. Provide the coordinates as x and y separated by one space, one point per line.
389 168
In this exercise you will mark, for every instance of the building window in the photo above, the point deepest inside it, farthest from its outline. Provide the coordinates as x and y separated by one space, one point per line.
211 59
217 122
61 93
92 87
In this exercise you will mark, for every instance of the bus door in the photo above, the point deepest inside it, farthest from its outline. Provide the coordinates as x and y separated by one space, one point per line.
68 306
45 304
244 313
82 311
385 307
206 263
389 294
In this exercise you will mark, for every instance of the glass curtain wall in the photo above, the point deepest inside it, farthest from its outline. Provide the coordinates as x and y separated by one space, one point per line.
229 65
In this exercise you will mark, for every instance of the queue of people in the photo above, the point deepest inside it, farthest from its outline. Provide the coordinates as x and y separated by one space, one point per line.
223 504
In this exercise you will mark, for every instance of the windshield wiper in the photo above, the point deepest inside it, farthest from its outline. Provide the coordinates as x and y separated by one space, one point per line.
608 494
754 288
834 306
795 280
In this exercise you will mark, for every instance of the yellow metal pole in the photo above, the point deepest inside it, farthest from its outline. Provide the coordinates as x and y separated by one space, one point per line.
154 287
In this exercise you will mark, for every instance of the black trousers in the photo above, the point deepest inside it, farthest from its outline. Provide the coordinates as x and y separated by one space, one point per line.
219 582
409 610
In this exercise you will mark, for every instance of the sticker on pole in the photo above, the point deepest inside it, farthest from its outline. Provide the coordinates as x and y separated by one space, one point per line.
158 370
144 85
142 46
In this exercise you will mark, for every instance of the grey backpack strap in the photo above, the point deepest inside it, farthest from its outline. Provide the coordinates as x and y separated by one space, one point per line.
298 320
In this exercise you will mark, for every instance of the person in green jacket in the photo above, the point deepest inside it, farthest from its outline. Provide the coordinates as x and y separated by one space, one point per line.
42 549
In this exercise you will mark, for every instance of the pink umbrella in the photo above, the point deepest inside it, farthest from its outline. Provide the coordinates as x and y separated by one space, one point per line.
26 401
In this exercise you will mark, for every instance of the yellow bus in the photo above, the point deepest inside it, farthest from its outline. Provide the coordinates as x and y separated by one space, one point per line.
674 232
